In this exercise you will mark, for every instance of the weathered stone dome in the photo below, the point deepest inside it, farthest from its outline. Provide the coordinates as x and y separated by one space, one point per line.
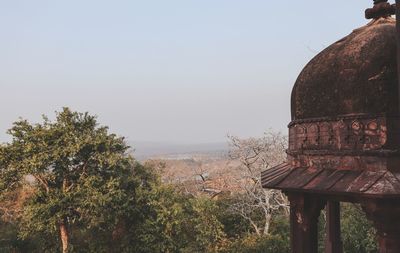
355 75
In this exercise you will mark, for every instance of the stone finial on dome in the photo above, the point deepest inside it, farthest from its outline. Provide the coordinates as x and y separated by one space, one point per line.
381 9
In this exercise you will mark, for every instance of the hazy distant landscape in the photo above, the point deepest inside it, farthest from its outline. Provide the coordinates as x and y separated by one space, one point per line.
163 150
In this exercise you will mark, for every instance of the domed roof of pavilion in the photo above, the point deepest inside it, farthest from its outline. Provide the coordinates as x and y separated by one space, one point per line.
344 134
355 75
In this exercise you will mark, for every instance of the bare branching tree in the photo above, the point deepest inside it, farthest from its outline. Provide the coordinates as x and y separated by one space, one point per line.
255 204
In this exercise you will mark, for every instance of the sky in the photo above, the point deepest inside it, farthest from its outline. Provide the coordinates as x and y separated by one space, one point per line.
181 71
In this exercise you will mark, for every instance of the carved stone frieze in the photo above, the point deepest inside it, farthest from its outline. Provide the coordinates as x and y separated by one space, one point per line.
349 133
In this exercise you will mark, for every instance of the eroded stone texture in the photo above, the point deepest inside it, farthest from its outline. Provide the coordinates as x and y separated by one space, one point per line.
357 74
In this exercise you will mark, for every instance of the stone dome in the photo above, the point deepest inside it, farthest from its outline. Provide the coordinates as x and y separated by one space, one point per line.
355 75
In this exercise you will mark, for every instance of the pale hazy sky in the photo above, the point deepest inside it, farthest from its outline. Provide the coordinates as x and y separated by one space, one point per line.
178 71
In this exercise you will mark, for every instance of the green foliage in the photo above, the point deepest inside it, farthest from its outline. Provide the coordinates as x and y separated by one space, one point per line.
81 172
234 224
9 240
276 242
208 230
358 234
280 226
256 244
175 222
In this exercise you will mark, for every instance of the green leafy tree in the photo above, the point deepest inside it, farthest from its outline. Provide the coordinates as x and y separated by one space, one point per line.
358 233
78 171
208 231
171 221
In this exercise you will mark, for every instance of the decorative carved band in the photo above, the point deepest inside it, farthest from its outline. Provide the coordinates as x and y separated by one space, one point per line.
324 152
344 117
345 134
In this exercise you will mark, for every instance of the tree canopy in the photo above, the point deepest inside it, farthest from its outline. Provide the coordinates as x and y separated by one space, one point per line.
79 173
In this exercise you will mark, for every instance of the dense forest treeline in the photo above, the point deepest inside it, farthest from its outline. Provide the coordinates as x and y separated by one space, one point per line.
70 186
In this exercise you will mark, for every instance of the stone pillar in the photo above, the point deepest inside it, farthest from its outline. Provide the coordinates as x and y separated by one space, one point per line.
304 213
385 214
333 243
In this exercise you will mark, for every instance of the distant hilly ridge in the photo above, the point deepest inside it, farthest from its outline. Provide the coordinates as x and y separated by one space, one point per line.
147 150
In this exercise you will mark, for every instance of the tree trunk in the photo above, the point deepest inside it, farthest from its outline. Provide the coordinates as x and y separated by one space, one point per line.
256 229
64 236
267 224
